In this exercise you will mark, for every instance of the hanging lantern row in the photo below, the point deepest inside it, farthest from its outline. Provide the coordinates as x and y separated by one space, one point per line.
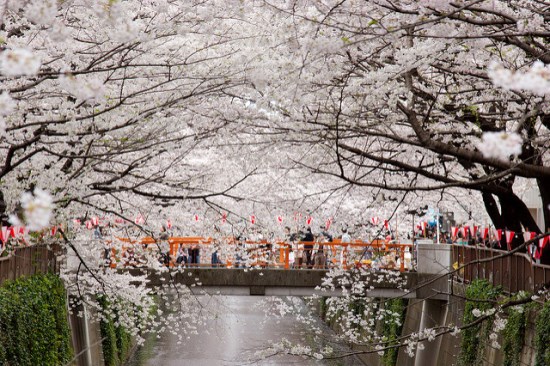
508 236
140 220
375 220
19 232
12 231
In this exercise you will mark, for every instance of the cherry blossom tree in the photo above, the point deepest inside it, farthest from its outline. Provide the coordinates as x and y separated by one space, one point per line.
337 109
142 109
423 96
119 108
104 101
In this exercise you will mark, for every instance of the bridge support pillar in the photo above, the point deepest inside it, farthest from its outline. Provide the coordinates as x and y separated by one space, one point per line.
257 290
434 313
86 337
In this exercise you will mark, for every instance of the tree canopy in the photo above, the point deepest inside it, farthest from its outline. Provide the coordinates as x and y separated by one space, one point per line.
168 101
333 108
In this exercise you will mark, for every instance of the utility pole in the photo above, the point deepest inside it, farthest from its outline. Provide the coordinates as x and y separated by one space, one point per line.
437 224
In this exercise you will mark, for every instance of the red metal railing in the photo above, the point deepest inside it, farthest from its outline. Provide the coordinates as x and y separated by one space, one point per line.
517 272
338 253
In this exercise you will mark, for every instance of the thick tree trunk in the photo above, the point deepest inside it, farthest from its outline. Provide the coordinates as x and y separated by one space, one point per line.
492 209
3 213
511 212
513 215
524 216
544 189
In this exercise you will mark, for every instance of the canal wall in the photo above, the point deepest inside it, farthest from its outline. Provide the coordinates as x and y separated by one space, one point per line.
411 323
99 340
445 350
86 336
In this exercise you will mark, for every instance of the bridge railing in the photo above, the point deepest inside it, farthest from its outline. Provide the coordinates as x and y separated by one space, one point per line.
276 254
517 272
26 261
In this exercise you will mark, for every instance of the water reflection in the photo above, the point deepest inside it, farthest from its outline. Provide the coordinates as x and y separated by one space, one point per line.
239 331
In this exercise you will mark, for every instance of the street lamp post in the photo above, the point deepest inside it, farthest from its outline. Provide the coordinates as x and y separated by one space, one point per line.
418 212
437 225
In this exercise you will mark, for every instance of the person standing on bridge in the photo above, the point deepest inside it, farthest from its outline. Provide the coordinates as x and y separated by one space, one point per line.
107 252
239 250
182 256
294 252
164 246
195 255
215 260
346 238
320 259
309 240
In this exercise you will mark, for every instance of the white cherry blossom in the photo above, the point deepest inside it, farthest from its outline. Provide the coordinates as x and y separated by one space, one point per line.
37 210
81 88
536 79
500 145
437 4
41 12
59 32
2 127
19 62
7 104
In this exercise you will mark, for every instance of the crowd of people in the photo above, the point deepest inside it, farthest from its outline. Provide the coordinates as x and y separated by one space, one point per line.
304 249
309 250
490 241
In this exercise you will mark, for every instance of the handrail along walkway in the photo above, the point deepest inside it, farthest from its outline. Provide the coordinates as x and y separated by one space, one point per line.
516 272
283 258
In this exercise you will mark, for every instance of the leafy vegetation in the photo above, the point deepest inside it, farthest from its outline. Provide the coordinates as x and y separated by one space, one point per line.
542 336
323 307
480 294
394 318
117 340
34 329
513 336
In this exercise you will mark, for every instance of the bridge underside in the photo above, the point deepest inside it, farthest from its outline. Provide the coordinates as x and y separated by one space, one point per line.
289 291
274 282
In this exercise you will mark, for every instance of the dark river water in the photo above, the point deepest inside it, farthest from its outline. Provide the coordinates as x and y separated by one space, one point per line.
233 337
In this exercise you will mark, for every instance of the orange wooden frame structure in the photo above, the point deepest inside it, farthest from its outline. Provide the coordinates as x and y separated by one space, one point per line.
376 246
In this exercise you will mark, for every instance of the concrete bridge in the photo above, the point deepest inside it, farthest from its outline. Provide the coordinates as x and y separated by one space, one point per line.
280 282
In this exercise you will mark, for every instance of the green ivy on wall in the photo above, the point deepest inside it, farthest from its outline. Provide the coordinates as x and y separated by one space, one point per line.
117 340
474 338
391 328
34 329
323 307
542 336
513 335
357 307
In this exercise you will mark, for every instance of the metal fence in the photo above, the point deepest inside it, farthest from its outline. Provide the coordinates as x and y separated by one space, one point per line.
517 272
26 261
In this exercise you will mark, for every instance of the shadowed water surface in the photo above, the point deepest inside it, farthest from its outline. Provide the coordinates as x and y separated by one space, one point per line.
240 329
